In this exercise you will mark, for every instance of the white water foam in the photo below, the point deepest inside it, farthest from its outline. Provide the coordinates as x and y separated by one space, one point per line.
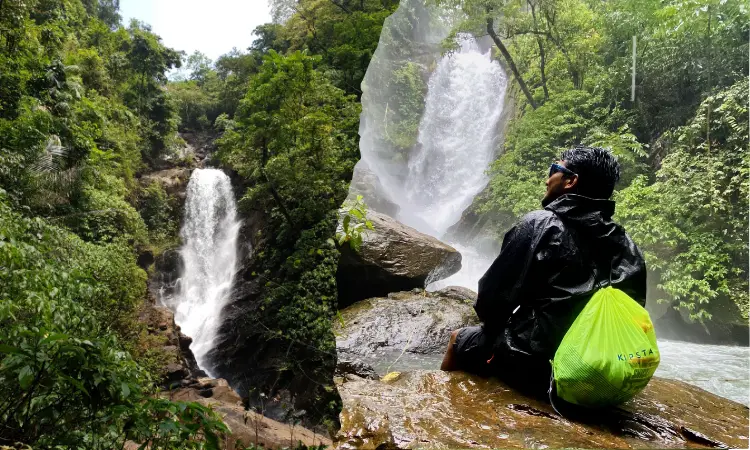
457 140
209 255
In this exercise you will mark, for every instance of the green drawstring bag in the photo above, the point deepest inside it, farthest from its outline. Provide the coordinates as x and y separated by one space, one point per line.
609 354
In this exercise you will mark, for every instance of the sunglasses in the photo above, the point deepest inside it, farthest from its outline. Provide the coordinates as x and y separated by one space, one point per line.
554 168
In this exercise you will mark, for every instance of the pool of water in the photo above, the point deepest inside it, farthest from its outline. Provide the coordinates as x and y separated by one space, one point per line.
722 370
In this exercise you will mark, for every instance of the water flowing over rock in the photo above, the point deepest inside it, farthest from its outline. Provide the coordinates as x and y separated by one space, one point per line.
393 257
457 139
433 409
209 259
177 361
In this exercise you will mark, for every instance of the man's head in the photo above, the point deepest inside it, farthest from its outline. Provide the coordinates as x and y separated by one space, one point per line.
588 171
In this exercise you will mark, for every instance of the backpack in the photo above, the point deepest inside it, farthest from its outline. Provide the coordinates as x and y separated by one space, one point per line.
608 355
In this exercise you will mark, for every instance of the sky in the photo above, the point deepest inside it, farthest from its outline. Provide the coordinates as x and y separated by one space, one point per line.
211 27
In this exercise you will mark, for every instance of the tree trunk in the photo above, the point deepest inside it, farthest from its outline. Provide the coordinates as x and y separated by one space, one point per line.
509 60
542 56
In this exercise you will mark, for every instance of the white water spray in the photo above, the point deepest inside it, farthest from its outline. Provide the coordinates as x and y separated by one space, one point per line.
457 139
209 255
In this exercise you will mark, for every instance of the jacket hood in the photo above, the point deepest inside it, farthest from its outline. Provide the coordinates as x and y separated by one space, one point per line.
581 212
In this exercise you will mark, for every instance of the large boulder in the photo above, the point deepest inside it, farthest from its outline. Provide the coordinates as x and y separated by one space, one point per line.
393 257
417 322
434 409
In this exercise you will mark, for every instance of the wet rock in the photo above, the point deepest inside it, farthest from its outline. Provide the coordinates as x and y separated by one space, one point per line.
367 184
726 327
176 372
346 367
434 409
414 322
393 257
169 262
178 362
167 266
457 293
247 427
145 259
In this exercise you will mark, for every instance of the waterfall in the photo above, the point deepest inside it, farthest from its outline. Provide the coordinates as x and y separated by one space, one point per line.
209 255
457 139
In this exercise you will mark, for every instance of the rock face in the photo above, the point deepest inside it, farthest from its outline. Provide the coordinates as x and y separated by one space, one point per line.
367 184
247 427
414 322
178 361
727 326
295 378
393 258
174 180
434 409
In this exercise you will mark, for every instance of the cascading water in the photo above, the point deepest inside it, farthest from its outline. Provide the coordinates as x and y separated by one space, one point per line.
209 255
457 139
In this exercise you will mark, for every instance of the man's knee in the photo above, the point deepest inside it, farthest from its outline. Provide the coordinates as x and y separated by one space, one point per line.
449 360
453 337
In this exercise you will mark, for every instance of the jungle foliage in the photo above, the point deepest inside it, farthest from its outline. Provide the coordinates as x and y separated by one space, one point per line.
83 110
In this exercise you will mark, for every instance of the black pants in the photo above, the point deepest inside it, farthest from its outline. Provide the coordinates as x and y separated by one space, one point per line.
481 353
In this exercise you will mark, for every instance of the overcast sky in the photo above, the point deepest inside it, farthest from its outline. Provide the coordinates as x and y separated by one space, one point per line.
211 27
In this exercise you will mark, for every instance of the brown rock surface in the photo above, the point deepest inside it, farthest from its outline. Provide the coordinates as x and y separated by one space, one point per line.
434 409
393 257
247 427
177 360
174 180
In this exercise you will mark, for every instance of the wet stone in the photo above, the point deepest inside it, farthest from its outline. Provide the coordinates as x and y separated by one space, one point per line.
435 409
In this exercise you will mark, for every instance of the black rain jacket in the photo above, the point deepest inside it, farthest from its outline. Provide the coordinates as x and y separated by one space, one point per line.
549 266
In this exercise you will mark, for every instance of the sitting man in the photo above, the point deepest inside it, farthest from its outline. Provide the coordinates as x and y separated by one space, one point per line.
550 264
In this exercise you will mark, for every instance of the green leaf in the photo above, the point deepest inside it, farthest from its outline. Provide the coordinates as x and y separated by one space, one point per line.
8 349
25 377
345 224
124 390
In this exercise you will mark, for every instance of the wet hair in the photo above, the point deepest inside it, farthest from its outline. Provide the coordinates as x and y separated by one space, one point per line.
598 170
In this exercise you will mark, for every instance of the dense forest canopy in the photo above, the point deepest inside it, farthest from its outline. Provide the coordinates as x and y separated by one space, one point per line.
86 107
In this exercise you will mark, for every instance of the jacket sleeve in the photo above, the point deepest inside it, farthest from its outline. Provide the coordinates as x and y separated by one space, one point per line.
501 288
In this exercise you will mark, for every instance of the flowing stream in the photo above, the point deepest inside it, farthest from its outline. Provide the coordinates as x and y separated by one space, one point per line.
209 255
457 142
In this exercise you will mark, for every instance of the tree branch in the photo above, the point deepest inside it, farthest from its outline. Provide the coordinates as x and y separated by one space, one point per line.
509 60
